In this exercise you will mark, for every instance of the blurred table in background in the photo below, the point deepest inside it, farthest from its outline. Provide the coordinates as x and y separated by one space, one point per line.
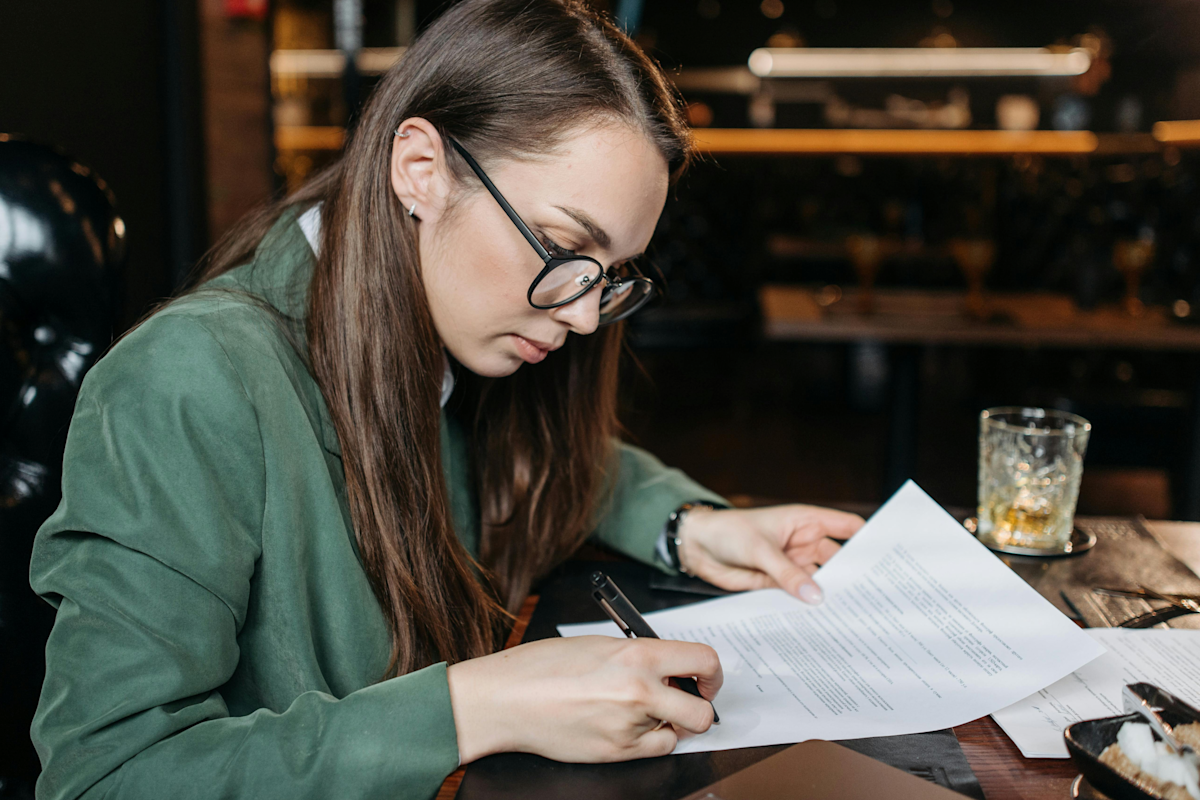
907 320
923 317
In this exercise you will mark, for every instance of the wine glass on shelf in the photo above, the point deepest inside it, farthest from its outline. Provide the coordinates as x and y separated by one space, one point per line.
866 253
975 258
1132 257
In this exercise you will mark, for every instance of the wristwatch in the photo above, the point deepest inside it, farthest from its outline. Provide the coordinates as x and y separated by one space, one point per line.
668 543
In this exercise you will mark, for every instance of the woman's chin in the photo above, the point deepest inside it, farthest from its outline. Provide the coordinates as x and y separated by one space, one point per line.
493 365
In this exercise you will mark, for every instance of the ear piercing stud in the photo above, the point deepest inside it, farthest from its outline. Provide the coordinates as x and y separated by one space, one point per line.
411 210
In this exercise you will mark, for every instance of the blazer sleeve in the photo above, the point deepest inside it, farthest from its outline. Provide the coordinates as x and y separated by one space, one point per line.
149 561
644 493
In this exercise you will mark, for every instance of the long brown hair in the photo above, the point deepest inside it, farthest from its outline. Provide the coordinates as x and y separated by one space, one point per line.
508 79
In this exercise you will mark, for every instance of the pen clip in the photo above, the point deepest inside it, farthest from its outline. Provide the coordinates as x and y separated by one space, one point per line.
613 614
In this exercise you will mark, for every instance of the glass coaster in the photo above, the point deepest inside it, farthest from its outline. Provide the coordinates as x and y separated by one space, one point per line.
1080 541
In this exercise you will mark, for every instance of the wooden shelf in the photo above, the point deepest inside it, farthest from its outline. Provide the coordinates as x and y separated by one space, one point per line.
309 137
817 141
775 141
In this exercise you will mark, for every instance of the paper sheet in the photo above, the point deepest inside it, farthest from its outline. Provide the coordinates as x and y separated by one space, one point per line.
922 628
1169 659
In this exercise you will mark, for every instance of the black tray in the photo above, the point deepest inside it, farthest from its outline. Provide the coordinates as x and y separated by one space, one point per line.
1087 740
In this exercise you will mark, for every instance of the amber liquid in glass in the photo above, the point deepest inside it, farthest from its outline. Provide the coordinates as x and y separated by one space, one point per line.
1028 483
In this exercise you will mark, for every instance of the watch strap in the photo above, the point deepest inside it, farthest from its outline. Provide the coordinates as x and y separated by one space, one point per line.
670 534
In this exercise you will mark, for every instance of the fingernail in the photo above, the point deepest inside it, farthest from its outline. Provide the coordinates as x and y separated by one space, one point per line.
811 594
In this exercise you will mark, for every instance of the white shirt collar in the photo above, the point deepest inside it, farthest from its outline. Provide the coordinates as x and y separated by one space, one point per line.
310 223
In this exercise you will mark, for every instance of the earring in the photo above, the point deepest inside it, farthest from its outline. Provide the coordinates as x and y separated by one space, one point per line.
401 135
411 210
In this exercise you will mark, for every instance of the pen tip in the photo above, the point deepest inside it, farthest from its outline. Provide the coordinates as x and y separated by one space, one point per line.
597 578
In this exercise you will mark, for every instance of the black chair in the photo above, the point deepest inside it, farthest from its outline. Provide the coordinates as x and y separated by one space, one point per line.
62 245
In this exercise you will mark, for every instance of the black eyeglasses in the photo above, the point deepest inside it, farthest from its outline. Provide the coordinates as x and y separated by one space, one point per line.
565 280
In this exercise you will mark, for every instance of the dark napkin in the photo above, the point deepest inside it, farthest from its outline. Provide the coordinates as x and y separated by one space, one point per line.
565 598
1126 555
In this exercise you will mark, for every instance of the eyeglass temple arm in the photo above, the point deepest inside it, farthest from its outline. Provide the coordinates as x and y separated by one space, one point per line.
521 226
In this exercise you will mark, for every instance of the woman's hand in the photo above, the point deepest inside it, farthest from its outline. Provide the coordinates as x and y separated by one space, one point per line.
759 548
581 699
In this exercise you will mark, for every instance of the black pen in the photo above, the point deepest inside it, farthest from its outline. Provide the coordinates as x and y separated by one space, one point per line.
617 605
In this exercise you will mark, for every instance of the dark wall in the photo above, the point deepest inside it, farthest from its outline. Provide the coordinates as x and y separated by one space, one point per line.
116 86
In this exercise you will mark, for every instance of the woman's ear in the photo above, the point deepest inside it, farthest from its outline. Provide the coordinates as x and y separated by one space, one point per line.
418 169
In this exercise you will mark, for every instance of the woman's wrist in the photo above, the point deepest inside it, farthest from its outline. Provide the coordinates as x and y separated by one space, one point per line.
697 517
480 726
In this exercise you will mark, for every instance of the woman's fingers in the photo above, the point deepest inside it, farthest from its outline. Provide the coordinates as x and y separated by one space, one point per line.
658 742
787 574
826 549
837 524
812 523
813 554
672 659
709 685
680 708
738 579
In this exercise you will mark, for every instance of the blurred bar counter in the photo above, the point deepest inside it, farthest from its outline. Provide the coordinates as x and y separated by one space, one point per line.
930 317
906 321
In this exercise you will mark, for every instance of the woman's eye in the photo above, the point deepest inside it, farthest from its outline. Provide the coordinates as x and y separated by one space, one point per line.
555 250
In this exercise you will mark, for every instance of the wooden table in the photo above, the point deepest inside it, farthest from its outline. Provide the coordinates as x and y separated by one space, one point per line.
1003 772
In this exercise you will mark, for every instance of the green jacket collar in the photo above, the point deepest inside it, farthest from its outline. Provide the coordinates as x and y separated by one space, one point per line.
279 274
281 270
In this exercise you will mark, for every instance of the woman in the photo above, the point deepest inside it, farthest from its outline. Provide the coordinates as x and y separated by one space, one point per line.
281 568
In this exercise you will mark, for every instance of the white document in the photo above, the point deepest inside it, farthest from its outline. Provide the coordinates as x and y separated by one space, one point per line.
1170 659
922 628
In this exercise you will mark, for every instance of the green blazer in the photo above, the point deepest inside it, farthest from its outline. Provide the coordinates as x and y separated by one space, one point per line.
215 633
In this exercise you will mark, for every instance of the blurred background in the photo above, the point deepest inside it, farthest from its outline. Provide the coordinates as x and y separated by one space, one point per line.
904 213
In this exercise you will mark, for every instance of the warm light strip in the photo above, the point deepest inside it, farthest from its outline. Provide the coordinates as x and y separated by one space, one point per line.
867 62
731 141
309 137
746 141
313 63
377 60
729 80
331 63
1177 132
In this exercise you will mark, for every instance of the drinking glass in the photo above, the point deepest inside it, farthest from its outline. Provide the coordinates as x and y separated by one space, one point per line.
866 253
1030 465
1131 257
975 258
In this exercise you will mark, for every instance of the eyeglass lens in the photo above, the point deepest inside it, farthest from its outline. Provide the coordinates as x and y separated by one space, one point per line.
565 282
571 279
624 298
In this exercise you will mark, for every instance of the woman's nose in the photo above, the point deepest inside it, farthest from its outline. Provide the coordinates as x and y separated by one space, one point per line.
581 315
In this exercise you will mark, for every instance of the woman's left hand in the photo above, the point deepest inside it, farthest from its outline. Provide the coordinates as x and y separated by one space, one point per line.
760 548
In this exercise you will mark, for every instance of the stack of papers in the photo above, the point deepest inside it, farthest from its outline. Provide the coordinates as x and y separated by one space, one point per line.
1170 659
922 628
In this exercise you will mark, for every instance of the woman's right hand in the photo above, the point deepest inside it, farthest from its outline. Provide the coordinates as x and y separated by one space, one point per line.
582 699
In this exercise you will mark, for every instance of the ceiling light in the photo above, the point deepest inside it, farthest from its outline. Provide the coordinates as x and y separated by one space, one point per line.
916 62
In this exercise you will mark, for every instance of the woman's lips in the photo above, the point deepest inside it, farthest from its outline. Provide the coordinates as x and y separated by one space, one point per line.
530 352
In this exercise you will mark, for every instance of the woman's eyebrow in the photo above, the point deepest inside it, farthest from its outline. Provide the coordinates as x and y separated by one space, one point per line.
588 224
